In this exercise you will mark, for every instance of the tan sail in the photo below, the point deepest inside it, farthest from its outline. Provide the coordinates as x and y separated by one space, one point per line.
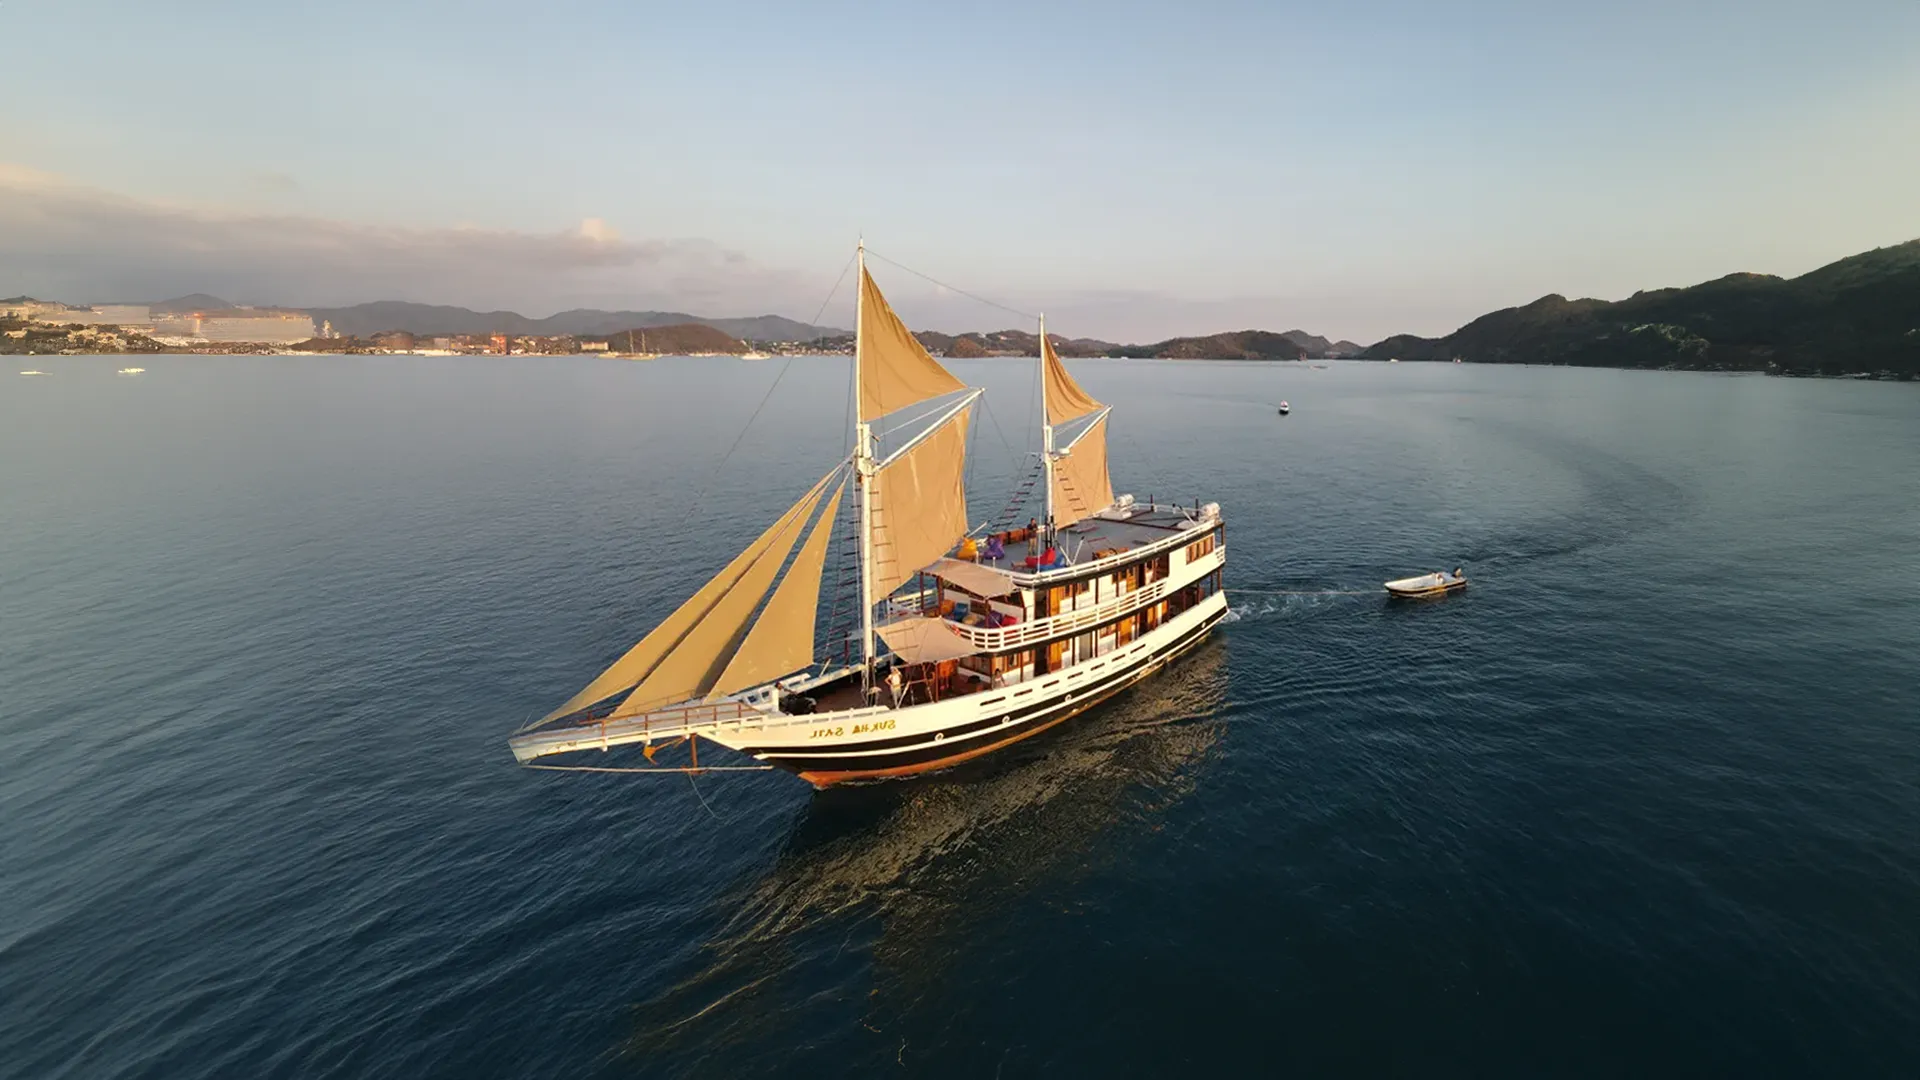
919 506
1065 399
643 658
692 667
895 371
1080 482
781 640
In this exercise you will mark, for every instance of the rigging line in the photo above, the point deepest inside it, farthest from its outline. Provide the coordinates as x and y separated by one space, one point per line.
872 254
1013 455
1019 479
702 798
837 282
701 492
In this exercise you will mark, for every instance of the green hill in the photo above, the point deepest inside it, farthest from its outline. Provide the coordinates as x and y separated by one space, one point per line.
1240 345
1860 315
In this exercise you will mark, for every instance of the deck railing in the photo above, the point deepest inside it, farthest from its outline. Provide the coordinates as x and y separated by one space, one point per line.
997 638
695 719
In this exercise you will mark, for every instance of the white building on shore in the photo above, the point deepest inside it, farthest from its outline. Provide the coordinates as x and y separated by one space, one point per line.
240 325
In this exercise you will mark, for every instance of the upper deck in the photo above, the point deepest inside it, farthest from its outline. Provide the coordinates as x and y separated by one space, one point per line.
1110 537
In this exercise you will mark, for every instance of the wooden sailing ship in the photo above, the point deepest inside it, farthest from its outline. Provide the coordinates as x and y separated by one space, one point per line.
1004 635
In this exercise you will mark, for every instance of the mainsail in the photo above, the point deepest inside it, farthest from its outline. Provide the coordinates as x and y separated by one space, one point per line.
1066 401
1078 483
914 506
914 509
918 504
895 371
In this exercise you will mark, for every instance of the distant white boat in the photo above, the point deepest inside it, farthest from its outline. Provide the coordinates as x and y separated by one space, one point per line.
1285 408
131 370
34 372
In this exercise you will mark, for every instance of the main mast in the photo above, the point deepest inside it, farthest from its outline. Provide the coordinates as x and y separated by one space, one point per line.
1046 438
864 470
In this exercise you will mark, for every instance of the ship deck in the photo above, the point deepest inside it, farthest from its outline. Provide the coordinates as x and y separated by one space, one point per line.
1141 526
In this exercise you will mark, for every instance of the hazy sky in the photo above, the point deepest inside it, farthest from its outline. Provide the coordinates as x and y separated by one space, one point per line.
1136 170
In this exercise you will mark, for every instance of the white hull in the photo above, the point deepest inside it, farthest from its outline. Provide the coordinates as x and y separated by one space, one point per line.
876 743
881 741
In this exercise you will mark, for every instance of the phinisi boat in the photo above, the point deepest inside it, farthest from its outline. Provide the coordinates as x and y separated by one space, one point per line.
967 639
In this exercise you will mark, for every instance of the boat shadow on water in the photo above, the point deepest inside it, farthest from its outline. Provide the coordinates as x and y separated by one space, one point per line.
880 885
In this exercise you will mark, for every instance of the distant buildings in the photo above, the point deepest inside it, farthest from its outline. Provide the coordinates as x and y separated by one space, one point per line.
250 325
131 316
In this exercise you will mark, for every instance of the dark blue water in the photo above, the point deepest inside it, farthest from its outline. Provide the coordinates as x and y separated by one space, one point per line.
1646 800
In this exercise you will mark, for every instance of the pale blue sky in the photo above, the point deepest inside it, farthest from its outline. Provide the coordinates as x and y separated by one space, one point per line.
1138 170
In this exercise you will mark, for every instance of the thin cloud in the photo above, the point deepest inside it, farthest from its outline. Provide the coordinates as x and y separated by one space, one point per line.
78 243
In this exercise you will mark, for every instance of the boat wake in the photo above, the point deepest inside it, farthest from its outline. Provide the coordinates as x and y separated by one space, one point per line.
1288 603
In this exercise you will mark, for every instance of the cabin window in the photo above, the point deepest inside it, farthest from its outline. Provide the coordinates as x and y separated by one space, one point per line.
1201 548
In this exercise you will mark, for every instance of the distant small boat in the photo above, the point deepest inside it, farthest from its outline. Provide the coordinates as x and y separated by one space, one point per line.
1285 408
131 370
1438 583
36 371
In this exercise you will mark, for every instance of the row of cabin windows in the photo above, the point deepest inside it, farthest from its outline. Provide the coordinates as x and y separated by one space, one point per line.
1201 548
1018 667
1092 592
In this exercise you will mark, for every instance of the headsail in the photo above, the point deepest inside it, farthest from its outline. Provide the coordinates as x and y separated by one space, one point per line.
694 666
895 370
781 640
641 660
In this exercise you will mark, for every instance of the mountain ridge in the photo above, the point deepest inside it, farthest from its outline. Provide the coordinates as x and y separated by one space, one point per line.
1855 316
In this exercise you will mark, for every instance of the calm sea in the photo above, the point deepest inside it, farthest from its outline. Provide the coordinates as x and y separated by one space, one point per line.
1644 801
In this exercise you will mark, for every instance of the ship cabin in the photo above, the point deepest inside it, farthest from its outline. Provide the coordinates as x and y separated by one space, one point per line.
996 612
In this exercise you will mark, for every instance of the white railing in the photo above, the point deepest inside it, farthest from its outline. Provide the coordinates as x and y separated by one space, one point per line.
995 638
730 715
1174 539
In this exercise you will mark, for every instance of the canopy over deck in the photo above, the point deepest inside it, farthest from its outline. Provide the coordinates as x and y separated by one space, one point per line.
980 580
924 641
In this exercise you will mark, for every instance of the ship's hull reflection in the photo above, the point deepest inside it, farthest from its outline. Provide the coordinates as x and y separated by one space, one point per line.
897 877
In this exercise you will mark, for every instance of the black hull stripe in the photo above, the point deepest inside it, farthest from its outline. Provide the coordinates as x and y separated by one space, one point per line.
922 750
1018 713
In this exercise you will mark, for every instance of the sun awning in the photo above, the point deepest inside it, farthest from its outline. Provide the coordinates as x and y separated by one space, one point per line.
923 640
976 579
